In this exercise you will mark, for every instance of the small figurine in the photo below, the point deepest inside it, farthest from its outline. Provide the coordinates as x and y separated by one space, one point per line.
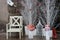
47 30
31 28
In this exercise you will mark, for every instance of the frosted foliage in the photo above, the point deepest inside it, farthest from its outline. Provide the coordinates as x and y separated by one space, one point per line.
48 12
30 11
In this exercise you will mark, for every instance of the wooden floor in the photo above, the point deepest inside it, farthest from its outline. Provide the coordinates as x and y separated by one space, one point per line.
3 37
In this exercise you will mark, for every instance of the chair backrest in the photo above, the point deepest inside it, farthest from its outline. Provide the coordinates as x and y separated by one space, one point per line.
16 20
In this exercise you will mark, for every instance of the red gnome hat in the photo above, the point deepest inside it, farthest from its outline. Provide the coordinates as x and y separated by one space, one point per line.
31 27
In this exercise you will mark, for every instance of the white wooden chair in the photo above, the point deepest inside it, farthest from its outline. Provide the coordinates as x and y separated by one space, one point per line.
15 25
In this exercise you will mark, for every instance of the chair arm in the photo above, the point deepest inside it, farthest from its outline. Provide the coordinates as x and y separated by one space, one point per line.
21 27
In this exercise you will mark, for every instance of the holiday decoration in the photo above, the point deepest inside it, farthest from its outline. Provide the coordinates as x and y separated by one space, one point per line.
30 15
47 13
47 30
31 27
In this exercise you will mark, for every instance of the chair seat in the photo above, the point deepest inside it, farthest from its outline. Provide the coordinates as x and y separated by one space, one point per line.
14 30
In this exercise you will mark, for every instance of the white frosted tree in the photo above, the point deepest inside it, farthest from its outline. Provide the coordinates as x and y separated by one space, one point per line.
29 12
48 12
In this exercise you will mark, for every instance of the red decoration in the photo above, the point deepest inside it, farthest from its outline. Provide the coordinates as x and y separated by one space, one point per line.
54 33
31 27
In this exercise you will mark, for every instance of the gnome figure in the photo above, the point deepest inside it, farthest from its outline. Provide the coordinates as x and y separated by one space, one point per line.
31 28
47 29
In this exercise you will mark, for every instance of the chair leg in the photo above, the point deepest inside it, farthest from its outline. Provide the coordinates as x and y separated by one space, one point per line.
22 33
19 35
10 34
7 35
